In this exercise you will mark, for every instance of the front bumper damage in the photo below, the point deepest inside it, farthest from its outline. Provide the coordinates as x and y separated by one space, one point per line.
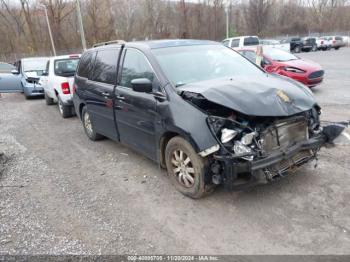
238 175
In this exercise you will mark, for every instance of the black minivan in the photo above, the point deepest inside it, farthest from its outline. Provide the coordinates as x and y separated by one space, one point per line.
199 109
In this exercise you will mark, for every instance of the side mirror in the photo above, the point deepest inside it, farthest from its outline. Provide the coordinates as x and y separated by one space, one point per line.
264 63
142 85
15 72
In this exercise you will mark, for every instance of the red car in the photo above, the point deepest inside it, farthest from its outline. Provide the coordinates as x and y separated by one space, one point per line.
286 64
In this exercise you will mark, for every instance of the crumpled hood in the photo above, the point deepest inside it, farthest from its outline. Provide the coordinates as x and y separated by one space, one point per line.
265 95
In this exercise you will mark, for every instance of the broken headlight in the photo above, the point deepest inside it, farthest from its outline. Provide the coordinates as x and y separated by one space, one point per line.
240 149
247 139
227 135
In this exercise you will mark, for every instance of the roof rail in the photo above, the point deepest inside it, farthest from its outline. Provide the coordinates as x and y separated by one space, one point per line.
109 43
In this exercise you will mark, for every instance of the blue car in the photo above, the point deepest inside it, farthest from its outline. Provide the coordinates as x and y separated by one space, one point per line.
24 76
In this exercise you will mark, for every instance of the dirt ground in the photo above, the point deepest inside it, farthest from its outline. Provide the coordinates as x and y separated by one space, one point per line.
61 193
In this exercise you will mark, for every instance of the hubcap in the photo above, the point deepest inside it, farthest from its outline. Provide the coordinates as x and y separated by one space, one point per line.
183 168
87 123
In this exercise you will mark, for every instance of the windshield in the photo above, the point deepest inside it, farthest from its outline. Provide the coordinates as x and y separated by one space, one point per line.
35 65
279 55
6 68
189 64
66 67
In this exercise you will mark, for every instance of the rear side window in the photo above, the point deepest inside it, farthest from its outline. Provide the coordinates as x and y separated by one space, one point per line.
235 43
251 41
86 64
135 66
338 38
66 67
105 70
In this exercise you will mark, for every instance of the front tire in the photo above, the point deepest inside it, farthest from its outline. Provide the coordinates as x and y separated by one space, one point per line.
297 49
186 168
88 127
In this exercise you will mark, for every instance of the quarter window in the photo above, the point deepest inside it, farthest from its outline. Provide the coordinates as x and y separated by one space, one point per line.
86 65
235 43
105 69
135 66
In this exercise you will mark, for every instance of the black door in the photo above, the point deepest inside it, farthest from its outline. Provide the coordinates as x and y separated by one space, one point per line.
136 112
100 94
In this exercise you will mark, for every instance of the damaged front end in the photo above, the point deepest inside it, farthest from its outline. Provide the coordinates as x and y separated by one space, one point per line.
260 149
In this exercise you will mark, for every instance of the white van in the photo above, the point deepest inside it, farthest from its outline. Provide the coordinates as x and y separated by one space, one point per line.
57 82
241 41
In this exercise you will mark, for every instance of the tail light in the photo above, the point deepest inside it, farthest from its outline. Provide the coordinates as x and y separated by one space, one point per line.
65 88
321 42
333 41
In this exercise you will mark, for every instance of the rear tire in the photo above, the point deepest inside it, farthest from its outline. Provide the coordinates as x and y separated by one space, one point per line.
88 126
336 48
49 101
65 110
186 169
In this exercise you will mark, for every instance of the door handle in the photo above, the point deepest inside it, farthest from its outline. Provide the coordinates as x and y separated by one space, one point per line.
105 94
120 97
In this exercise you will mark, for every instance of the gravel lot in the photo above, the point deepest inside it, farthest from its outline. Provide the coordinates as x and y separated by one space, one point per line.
63 194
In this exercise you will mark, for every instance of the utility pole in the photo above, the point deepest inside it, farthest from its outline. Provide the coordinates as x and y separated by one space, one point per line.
227 19
48 25
81 26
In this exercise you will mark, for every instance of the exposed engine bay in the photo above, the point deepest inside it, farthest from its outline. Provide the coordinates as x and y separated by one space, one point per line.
259 147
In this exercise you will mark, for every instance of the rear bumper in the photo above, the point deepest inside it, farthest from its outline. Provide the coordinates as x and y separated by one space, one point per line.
239 175
67 100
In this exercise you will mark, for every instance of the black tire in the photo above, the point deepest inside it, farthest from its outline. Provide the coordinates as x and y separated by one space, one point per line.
89 131
49 101
297 49
336 48
195 168
65 110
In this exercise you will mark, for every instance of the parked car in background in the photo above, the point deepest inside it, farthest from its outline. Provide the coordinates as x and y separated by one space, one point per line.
10 81
25 77
346 40
336 41
286 64
241 41
296 44
309 44
199 109
323 44
275 44
57 81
